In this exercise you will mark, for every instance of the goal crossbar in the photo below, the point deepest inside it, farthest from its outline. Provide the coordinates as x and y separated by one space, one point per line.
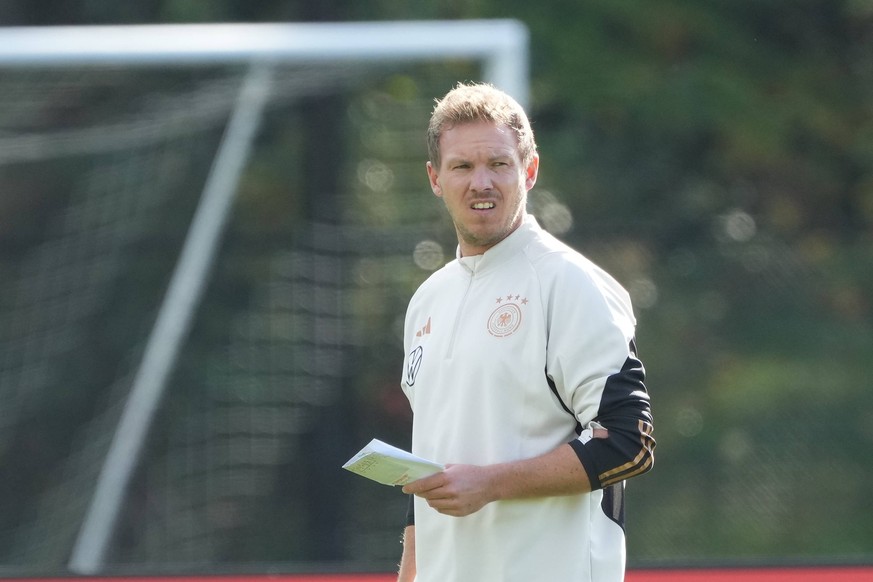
501 45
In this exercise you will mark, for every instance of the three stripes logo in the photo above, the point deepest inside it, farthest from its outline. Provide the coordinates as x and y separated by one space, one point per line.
424 330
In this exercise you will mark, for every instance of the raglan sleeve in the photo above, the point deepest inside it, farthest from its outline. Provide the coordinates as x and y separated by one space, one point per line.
593 365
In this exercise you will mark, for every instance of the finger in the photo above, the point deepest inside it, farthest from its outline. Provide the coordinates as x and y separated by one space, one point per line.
448 508
442 505
419 486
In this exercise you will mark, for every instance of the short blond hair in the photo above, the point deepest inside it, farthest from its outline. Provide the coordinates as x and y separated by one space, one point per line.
472 102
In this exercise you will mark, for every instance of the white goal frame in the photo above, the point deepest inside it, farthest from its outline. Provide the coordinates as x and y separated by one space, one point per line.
500 45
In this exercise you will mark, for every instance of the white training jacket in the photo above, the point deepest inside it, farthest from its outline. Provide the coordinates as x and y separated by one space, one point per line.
510 354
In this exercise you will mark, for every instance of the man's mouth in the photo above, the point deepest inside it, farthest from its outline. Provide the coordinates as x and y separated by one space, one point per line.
482 205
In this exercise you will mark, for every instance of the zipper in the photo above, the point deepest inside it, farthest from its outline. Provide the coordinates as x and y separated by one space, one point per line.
450 352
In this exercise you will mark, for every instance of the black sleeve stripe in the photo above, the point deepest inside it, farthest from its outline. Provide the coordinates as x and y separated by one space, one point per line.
587 463
613 503
639 465
625 413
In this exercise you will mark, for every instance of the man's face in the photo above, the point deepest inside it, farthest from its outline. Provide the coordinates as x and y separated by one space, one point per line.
483 183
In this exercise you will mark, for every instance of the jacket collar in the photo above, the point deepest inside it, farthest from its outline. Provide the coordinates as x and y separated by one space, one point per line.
513 244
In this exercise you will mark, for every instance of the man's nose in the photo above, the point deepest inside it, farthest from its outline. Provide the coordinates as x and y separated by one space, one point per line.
481 179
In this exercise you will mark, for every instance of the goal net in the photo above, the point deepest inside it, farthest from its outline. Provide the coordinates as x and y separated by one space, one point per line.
208 235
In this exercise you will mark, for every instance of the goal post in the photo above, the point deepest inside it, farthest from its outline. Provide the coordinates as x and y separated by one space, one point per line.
172 322
501 46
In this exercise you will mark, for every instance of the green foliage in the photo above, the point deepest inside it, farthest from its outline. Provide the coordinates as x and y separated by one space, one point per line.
732 141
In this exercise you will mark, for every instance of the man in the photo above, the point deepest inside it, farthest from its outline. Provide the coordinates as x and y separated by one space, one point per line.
522 375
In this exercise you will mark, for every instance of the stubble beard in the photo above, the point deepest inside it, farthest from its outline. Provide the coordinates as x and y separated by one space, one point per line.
490 236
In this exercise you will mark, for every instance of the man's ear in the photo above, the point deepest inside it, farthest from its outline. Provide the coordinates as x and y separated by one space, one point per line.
434 180
532 171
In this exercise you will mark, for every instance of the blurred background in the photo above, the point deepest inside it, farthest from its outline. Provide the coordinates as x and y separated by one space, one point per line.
716 157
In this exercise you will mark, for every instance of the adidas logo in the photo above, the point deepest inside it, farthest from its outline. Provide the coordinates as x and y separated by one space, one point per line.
424 330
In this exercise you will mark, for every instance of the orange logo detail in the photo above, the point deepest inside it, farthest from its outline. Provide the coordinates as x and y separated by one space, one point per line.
424 330
505 320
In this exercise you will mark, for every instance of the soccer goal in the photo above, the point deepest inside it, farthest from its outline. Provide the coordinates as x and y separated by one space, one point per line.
208 236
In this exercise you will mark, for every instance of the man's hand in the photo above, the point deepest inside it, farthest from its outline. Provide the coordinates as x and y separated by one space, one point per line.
458 491
464 489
